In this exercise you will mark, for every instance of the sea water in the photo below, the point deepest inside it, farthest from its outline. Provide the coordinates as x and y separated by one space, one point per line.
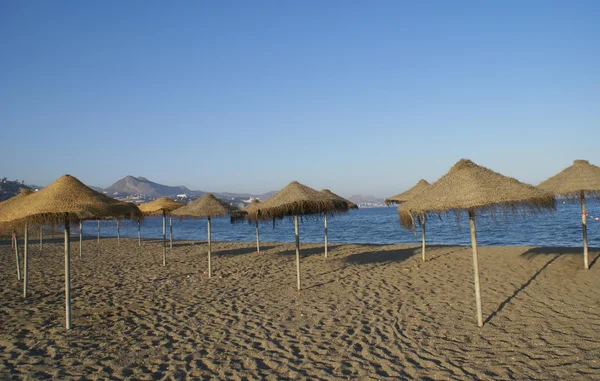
381 225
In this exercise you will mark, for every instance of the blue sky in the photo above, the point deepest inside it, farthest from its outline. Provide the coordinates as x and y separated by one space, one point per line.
246 96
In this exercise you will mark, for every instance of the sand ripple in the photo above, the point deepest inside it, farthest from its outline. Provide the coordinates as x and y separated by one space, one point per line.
367 312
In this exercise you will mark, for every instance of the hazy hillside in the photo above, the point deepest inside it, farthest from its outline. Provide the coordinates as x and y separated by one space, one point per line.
9 188
141 185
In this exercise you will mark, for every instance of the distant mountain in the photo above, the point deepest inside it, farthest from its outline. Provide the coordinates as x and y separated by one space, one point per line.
130 185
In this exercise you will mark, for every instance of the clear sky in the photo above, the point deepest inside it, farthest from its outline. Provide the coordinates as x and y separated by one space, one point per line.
245 96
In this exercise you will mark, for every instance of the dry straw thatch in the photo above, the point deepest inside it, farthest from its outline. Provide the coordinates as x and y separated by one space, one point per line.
468 186
159 205
330 194
407 195
571 181
66 196
576 182
296 200
250 212
207 206
62 201
7 204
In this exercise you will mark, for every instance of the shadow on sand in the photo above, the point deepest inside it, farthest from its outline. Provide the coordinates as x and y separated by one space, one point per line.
524 285
382 256
311 251
593 252
242 250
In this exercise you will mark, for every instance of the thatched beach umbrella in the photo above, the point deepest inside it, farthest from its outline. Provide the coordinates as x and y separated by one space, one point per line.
296 200
252 209
575 182
348 205
64 200
162 206
208 206
407 195
472 188
6 205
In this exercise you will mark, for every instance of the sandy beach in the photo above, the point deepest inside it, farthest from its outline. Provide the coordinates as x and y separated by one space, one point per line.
366 312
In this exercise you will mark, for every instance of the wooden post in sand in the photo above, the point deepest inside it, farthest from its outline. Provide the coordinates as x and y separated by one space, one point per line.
170 232
423 238
325 223
297 251
257 240
41 237
164 239
16 246
139 234
584 229
118 232
475 268
25 260
80 237
98 231
67 273
209 264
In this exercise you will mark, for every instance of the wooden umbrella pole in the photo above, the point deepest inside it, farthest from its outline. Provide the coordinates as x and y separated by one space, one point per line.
584 229
325 234
209 264
118 232
297 251
16 246
164 239
257 239
80 237
41 237
475 269
98 231
25 260
67 273
170 232
139 234
423 238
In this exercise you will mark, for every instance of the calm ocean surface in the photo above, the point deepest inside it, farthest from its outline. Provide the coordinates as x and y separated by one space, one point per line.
380 225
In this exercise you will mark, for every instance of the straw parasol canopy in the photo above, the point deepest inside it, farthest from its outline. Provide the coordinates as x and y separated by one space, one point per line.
159 205
334 196
576 182
14 200
468 186
64 200
296 200
344 207
252 210
208 206
407 195
570 182
66 196
162 206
